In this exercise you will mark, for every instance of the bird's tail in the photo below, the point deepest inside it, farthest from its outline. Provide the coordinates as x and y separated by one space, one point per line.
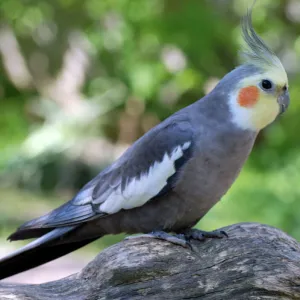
44 249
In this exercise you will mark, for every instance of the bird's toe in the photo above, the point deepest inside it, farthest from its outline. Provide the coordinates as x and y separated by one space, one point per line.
201 235
178 239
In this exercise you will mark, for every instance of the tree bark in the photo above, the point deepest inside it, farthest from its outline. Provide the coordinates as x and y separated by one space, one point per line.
255 262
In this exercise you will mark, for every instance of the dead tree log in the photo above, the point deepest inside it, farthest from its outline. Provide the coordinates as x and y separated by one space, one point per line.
255 262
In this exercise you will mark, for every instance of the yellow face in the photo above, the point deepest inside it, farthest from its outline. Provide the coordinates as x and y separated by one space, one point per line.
260 98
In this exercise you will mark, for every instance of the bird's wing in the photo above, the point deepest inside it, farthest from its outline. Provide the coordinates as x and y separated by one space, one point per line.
148 169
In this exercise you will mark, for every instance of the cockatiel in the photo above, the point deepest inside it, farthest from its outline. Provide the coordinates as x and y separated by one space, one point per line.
172 176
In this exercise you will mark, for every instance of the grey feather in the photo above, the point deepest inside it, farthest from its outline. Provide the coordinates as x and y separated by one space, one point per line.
201 174
46 238
133 164
144 152
256 51
65 215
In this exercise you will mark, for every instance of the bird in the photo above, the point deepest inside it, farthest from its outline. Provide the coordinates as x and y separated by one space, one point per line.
168 179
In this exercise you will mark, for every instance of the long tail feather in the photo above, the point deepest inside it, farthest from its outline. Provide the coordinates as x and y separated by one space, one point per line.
42 250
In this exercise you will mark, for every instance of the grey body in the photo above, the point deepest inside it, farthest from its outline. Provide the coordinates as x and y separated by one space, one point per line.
171 177
218 150
202 181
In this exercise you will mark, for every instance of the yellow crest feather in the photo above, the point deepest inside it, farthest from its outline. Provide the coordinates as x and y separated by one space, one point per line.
256 52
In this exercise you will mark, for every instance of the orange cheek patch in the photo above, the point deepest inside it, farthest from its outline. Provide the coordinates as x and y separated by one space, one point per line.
248 96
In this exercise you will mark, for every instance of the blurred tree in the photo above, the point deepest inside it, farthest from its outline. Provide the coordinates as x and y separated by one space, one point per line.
80 80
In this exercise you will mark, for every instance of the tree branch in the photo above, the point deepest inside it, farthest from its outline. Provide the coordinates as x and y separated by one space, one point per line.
255 262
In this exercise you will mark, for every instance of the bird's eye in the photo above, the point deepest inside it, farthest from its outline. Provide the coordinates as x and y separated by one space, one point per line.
266 84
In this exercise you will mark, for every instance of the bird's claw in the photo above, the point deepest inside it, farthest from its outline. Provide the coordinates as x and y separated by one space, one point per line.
183 239
201 235
178 239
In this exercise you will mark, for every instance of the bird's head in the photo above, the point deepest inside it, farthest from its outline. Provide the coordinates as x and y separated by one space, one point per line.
260 90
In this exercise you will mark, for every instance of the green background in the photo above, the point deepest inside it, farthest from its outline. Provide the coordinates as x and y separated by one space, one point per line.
82 79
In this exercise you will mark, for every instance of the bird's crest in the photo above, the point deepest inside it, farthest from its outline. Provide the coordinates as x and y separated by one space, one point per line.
256 52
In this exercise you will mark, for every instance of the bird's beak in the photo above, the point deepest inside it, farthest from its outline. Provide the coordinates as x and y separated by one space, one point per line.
283 101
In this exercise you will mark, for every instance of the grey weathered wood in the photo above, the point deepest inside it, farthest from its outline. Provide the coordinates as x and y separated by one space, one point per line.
255 262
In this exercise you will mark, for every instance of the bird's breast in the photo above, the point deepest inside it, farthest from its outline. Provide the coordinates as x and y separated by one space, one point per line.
211 172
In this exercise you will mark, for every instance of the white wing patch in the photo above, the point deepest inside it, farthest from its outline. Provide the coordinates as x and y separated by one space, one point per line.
139 190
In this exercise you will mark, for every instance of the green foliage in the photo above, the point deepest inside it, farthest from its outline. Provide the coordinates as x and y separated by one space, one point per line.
79 70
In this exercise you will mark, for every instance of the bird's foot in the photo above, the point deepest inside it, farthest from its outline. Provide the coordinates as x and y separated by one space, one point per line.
201 235
178 239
